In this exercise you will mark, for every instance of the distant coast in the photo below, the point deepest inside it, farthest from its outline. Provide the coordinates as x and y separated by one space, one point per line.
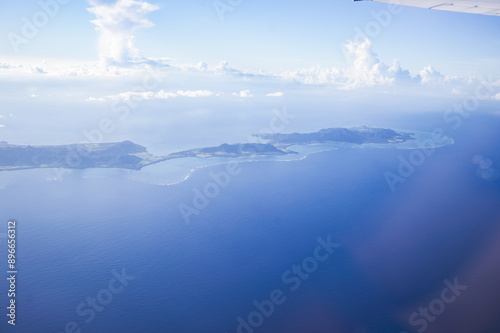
129 155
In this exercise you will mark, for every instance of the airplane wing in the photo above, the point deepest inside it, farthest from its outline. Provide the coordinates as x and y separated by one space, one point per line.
485 7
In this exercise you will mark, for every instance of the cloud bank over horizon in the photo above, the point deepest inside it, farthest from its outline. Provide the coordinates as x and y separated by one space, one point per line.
363 69
118 20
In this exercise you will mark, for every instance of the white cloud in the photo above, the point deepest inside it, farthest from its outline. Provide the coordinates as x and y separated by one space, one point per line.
96 99
4 66
195 93
224 68
116 23
243 93
162 94
149 95
69 69
315 75
497 97
429 74
364 70
202 66
132 95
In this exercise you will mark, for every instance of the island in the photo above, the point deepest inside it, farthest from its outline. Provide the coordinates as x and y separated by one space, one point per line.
129 155
358 135
126 154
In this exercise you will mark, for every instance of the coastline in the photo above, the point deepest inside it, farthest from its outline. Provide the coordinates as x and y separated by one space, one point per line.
172 171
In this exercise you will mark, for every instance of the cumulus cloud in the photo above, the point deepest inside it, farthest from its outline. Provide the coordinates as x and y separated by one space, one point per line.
149 95
94 69
430 74
37 70
116 23
315 75
243 93
5 66
23 68
224 68
202 66
195 93
364 70
96 99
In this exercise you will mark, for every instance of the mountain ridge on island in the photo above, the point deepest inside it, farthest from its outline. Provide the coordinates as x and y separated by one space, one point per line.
358 135
129 155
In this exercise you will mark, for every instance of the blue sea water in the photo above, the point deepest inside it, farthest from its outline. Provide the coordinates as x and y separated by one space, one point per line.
77 235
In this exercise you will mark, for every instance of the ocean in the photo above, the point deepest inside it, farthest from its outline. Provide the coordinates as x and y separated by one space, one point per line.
316 244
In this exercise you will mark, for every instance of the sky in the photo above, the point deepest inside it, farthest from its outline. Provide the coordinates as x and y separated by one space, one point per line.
257 34
225 65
